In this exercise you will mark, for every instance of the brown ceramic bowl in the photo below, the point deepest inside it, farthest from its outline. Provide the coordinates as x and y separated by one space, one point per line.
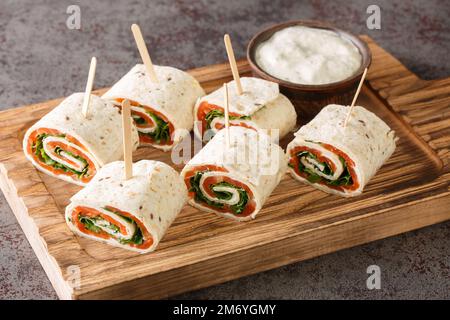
310 99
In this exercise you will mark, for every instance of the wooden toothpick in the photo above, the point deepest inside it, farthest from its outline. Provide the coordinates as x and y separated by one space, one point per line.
126 128
233 64
355 97
89 85
144 52
227 115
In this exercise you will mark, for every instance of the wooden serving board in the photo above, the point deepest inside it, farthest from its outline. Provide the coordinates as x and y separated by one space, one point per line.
297 222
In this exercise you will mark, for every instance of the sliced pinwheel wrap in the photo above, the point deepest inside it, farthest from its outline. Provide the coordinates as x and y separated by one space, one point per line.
340 160
163 110
71 147
235 181
261 106
133 214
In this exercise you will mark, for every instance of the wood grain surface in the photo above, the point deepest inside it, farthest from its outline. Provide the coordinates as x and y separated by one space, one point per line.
297 222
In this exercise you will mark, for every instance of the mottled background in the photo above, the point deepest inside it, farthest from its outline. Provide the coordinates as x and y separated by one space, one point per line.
40 58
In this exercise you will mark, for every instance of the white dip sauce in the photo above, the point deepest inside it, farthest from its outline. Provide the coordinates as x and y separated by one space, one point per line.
308 56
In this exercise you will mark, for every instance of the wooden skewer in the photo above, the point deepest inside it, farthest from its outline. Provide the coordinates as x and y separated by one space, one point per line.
89 85
144 52
227 115
355 97
126 128
233 64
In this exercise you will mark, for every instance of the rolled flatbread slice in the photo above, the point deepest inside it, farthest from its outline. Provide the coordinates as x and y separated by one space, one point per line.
260 107
162 111
132 214
340 160
71 147
234 182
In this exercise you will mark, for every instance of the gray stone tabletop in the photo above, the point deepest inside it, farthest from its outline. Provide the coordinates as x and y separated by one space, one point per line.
41 58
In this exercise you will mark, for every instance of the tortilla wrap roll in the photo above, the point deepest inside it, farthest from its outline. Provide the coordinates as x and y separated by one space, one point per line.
162 111
68 146
234 182
260 106
132 214
340 160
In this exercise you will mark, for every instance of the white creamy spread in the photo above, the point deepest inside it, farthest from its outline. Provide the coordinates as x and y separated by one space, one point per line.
306 55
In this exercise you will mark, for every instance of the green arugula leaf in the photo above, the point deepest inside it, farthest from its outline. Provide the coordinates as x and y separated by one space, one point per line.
138 238
161 133
312 177
210 116
138 120
345 178
89 224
